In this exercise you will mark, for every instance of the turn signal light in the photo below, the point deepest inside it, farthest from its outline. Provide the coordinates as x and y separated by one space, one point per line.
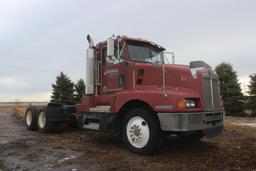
181 104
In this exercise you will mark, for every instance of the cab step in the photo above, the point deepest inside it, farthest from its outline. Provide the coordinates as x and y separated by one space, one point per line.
92 126
99 121
102 109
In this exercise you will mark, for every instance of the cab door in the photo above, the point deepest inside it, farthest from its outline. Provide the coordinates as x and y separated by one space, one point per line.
113 73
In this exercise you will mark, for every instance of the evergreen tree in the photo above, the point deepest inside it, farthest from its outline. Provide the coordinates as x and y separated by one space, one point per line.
80 90
63 90
230 89
252 92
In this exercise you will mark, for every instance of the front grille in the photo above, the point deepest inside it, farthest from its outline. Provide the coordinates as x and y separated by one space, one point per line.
211 92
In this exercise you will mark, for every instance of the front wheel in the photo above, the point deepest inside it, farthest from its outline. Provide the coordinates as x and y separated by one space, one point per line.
141 131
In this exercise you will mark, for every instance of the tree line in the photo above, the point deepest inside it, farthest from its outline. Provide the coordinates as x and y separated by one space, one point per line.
65 91
235 102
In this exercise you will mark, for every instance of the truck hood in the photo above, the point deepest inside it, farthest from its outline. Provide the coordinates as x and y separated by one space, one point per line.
184 78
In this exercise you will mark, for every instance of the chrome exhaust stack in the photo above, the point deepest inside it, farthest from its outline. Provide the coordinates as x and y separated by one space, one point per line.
90 68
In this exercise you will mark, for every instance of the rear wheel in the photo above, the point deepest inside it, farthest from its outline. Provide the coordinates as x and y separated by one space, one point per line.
43 124
141 132
30 118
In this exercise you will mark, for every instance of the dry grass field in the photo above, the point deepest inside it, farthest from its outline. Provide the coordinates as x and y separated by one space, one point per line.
20 110
20 107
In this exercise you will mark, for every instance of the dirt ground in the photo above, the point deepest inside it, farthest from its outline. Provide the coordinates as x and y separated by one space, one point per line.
74 150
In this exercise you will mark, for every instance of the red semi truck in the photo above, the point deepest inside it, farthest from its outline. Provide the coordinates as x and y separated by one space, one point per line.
132 91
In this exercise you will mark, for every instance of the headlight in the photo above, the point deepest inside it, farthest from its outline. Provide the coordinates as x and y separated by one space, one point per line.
190 103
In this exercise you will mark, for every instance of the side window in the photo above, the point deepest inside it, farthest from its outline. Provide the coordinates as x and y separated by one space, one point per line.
112 59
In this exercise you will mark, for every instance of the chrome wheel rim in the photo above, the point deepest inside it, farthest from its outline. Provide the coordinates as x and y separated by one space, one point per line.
137 132
41 119
29 118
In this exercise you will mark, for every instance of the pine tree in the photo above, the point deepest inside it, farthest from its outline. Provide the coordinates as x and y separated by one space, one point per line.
252 92
80 90
63 90
230 89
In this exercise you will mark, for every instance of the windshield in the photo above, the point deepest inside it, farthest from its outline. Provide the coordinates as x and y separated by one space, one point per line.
145 54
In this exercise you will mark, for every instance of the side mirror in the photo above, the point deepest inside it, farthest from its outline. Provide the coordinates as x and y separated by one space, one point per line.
166 55
110 47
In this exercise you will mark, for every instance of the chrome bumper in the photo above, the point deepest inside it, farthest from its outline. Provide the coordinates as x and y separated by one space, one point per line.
211 123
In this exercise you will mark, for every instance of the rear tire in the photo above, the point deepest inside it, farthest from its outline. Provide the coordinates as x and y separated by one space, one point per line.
141 132
43 124
31 118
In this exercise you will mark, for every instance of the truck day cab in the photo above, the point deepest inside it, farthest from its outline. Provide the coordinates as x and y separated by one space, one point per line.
130 90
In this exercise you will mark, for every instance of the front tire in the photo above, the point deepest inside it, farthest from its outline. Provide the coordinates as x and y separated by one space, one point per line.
43 124
141 132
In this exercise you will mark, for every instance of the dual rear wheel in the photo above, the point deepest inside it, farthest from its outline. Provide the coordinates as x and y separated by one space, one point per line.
30 118
36 119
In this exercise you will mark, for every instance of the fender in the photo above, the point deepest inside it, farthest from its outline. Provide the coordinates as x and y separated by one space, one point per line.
154 98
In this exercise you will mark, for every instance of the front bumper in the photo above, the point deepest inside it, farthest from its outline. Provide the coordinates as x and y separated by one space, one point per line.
211 123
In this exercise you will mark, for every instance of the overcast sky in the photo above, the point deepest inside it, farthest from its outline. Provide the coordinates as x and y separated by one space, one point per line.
40 38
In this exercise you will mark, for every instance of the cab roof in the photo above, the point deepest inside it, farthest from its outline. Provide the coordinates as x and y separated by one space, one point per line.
139 40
